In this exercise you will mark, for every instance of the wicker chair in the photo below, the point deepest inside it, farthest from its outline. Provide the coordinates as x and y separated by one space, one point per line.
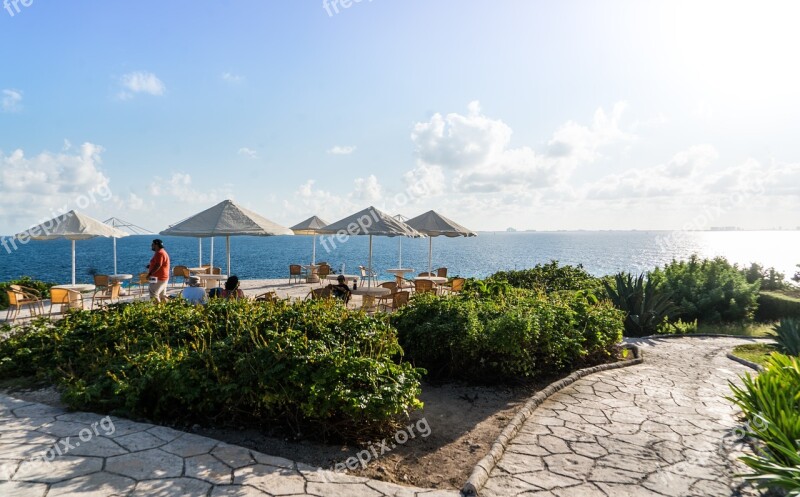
296 272
18 297
441 272
394 301
65 299
110 295
454 286
319 294
323 271
424 286
180 272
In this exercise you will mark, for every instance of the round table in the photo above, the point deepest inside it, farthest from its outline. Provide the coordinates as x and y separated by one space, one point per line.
400 274
212 277
311 270
436 279
368 295
119 278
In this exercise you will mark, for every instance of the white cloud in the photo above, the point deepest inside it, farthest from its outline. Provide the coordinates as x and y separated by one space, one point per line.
179 186
140 82
232 78
342 150
48 184
367 189
248 152
476 150
12 100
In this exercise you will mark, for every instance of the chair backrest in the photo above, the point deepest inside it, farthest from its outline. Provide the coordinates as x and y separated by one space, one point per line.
180 271
59 296
13 297
324 270
101 280
441 272
295 270
144 278
267 297
457 284
423 286
425 273
400 299
216 270
320 293
391 285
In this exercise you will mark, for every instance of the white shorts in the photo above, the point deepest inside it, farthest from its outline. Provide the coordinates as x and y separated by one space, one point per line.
158 288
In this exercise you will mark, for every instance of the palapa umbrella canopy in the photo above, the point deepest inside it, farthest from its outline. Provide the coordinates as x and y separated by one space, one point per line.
310 226
370 221
73 226
226 219
433 224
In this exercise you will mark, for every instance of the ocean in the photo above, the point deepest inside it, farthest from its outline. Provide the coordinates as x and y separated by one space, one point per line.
600 253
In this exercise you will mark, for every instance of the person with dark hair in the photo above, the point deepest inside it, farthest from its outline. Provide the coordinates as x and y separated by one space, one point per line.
158 271
340 290
232 290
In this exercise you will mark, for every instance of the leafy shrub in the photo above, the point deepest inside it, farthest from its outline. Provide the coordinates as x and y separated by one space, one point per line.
787 336
645 308
518 336
711 290
770 279
549 278
679 327
771 404
773 306
228 362
40 286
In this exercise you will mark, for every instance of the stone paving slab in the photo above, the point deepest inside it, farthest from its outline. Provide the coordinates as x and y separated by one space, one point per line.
658 429
46 451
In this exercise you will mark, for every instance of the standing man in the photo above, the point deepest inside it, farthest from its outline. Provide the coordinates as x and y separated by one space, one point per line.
158 271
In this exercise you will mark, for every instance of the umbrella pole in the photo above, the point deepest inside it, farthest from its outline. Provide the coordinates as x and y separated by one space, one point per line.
73 262
228 251
369 271
212 254
115 255
430 251
314 250
200 252
400 262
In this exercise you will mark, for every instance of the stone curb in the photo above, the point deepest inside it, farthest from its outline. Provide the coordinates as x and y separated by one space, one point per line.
480 475
745 362
700 335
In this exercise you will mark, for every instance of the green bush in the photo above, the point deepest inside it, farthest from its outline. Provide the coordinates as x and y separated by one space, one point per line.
549 278
227 362
773 306
771 404
787 336
518 336
770 279
709 290
646 309
42 287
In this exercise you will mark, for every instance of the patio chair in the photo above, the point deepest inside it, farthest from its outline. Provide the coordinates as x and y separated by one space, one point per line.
454 286
424 286
296 272
322 271
101 283
394 301
110 295
319 294
441 272
18 297
267 297
367 275
207 269
64 298
180 272
391 285
216 270
142 281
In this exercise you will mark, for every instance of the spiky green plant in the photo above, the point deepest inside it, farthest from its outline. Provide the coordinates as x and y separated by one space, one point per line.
645 307
787 334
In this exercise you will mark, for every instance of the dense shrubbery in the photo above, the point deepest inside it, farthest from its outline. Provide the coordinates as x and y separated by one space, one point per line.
773 306
42 287
229 361
646 308
513 336
711 290
549 278
771 403
770 278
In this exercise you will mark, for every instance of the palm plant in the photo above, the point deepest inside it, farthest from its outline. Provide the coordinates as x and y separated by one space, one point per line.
787 334
645 307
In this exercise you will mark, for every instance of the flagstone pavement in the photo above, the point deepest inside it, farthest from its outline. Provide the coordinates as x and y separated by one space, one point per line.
662 428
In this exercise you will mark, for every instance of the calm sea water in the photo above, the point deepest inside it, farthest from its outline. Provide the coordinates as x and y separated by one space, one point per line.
600 253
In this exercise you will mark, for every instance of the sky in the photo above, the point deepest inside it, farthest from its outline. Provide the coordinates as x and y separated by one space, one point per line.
526 114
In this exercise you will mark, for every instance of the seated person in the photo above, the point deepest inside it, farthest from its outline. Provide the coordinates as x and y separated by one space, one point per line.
232 290
193 293
341 291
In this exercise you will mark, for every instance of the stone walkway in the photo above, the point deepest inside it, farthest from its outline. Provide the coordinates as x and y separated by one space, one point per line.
662 428
658 429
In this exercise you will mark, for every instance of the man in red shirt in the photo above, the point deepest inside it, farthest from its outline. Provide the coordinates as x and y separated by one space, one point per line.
158 271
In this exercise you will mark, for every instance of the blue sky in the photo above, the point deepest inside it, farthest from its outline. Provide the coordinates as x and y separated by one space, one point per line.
536 115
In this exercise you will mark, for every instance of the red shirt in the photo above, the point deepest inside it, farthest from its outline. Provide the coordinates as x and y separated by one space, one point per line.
159 265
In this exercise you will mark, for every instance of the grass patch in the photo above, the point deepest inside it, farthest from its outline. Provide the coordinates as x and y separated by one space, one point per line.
755 352
738 329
